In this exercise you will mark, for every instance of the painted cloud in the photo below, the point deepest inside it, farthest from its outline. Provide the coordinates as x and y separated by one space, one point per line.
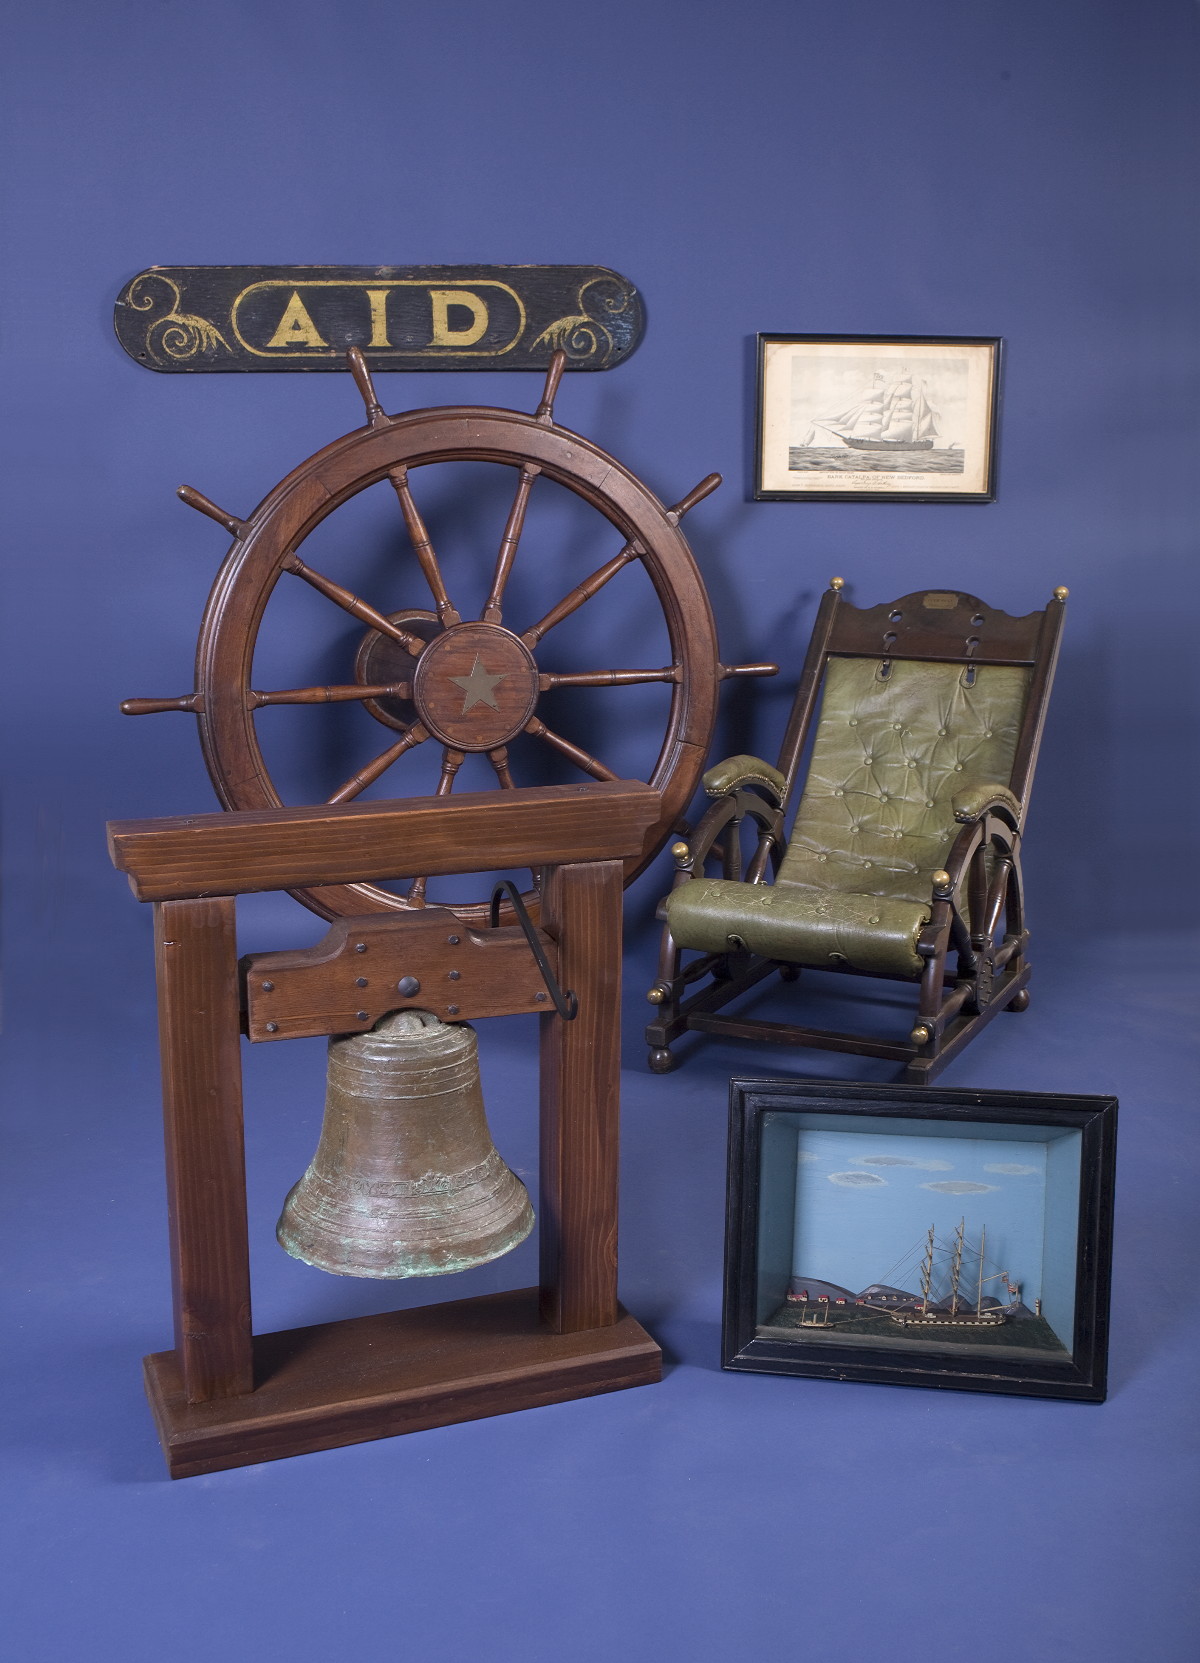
858 1180
960 1186
902 1160
1010 1169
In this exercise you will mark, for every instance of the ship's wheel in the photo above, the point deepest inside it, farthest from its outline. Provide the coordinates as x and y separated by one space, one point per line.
429 674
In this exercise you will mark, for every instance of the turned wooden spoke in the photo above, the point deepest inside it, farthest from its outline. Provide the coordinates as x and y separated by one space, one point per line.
423 548
285 695
197 500
493 611
580 758
499 761
152 707
452 761
632 551
414 736
357 608
583 592
607 678
329 695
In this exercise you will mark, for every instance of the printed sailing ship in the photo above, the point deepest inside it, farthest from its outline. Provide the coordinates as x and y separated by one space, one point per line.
966 1305
891 415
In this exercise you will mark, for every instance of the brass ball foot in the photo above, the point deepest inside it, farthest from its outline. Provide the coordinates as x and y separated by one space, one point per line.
662 1060
1019 1001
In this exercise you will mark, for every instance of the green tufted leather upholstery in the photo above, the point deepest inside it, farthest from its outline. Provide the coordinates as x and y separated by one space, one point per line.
892 756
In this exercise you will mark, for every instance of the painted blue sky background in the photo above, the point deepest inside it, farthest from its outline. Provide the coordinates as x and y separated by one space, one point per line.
865 1198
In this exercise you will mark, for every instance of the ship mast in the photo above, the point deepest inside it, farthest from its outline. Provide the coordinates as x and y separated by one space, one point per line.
927 1272
956 1265
979 1297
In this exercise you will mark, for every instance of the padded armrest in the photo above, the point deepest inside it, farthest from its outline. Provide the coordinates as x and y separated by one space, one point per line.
745 770
970 804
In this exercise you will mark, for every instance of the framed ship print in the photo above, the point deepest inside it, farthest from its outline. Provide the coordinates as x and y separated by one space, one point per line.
901 418
920 1236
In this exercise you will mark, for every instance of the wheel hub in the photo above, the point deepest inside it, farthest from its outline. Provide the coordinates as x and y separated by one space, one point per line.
475 686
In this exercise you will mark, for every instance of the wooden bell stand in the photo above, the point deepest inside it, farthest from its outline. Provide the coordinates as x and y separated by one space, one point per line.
225 1397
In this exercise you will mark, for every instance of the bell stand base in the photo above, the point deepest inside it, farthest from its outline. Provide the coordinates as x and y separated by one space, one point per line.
405 1371
226 1397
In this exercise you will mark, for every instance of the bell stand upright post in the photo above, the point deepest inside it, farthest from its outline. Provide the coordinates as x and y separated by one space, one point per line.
226 1397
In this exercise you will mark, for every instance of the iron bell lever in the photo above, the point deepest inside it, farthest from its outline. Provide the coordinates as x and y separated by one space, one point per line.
566 1004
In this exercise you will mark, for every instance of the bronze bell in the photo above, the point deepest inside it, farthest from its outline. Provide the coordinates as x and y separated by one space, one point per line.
406 1180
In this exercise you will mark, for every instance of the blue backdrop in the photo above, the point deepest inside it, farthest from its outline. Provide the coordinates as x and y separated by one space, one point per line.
1021 170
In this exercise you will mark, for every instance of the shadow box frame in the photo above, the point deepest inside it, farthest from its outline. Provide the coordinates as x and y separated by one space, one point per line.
1082 1378
983 405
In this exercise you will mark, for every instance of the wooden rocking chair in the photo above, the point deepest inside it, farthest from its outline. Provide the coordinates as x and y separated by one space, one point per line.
906 843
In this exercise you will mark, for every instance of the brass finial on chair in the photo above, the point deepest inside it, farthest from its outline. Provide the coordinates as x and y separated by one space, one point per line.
836 583
941 880
680 852
1061 593
921 1034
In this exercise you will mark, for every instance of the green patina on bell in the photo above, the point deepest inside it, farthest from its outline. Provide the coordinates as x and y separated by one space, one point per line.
406 1180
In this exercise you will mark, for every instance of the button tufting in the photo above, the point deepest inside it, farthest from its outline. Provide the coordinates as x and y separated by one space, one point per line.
958 767
883 797
872 920
822 857
839 792
897 727
928 804
854 721
988 734
866 865
941 733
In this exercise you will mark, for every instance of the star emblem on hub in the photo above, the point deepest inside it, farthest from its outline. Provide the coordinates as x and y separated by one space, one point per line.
479 687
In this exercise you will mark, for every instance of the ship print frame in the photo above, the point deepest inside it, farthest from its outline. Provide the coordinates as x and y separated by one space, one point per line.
920 1236
880 418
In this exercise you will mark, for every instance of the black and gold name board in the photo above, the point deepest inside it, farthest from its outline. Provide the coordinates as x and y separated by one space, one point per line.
246 318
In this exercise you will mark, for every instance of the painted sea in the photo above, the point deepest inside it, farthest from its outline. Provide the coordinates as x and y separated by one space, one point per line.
845 459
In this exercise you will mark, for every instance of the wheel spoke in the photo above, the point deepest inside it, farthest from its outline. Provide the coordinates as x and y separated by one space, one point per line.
493 611
584 592
153 707
414 736
632 551
423 548
580 758
329 695
357 608
499 761
452 761
608 678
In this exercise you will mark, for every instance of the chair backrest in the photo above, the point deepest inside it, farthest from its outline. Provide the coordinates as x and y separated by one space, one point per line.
921 701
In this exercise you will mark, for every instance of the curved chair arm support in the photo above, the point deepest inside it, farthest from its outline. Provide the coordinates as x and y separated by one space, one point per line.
979 800
737 771
734 805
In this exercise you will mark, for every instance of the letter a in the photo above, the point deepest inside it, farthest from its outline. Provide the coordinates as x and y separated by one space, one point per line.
296 328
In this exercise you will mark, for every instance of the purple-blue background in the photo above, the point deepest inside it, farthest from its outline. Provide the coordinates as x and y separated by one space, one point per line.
1021 170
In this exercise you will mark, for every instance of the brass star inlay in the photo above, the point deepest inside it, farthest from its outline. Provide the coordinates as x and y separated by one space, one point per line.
479 686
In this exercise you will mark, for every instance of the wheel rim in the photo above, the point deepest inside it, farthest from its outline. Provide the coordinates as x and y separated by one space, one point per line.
273 534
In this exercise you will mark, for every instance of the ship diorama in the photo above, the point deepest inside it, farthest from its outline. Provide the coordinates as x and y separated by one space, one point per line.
891 415
950 1304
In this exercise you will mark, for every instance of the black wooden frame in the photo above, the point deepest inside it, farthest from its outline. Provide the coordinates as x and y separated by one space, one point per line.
1083 1380
988 494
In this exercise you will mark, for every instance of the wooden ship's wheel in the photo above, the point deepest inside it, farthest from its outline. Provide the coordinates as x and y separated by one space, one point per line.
470 685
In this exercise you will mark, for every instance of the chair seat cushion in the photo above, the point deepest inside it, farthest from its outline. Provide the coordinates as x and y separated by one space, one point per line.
799 923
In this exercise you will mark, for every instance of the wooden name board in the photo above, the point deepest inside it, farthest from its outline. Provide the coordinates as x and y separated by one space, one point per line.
244 318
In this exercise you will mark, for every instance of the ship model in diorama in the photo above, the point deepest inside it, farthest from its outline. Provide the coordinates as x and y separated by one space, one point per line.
963 1313
891 415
